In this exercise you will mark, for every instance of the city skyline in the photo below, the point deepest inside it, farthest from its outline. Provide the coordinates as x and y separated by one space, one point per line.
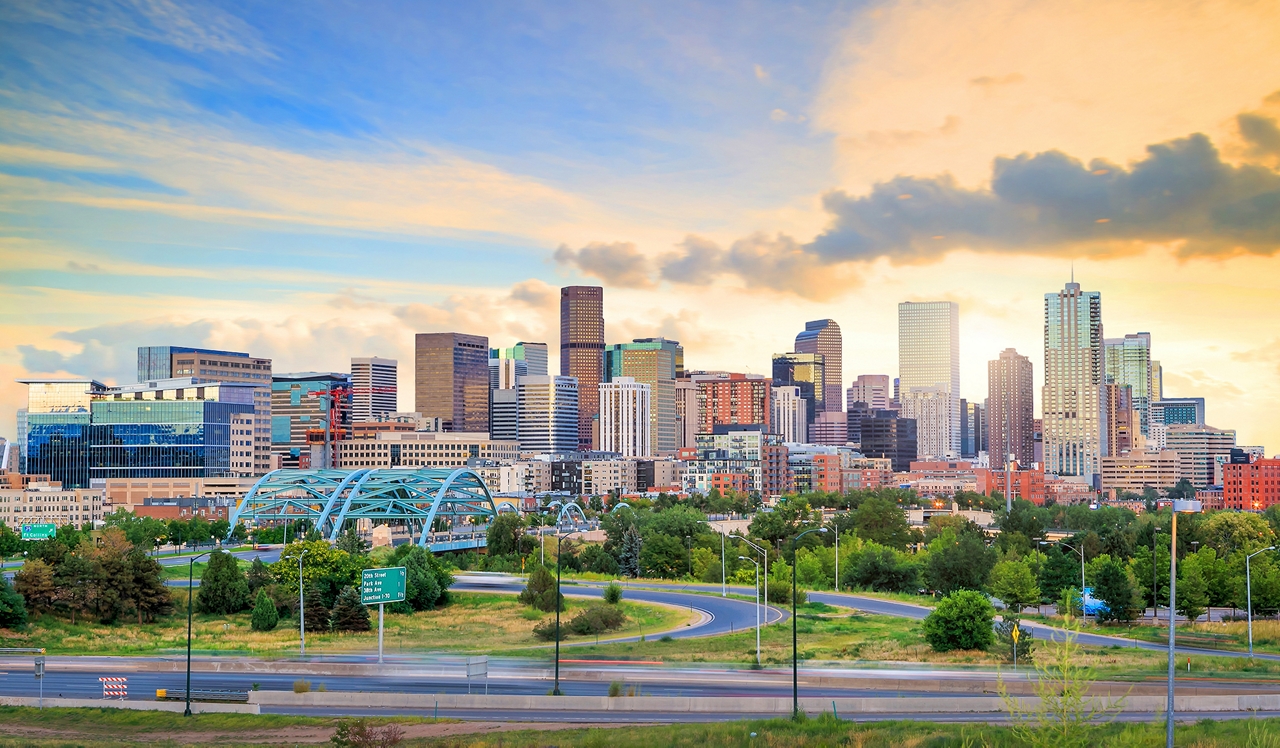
729 182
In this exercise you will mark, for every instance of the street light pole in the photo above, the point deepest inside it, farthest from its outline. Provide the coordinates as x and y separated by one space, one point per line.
559 540
302 615
764 554
757 591
1155 583
191 566
1186 506
1248 591
795 657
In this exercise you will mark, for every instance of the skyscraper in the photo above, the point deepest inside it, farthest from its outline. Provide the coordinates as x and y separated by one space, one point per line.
929 371
1121 419
807 371
519 360
451 380
652 362
624 417
823 337
973 429
373 388
1010 409
726 398
789 414
876 390
884 434
548 414
1074 431
582 350
1128 362
674 346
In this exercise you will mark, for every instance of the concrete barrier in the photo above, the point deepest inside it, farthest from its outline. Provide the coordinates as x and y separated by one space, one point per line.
154 706
723 705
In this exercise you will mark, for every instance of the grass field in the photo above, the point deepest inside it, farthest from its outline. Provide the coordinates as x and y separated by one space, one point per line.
505 623
108 727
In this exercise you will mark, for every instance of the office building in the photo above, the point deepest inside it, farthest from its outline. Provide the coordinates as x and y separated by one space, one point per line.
1178 411
1139 469
504 371
373 388
548 419
625 427
876 390
1251 486
1157 381
677 351
308 410
421 449
973 429
1072 403
451 380
1010 408
929 374
726 399
1128 362
1199 449
687 418
652 362
582 350
43 503
504 414
830 427
822 337
885 434
56 434
1121 419
853 420
807 372
789 414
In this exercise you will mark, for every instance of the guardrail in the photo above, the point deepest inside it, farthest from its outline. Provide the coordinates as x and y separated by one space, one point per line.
202 694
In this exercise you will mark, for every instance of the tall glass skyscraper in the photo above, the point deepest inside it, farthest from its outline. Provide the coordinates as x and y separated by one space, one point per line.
929 374
1074 375
1128 361
807 372
823 337
451 380
652 362
582 350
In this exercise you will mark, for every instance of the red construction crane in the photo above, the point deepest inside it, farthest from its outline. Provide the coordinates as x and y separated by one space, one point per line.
331 433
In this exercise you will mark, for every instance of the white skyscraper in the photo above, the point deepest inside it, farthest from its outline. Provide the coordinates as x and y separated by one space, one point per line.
373 388
788 416
1074 375
929 374
547 419
624 417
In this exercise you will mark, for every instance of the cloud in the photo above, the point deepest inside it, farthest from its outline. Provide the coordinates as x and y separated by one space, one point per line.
762 75
993 81
777 263
110 351
618 264
1261 133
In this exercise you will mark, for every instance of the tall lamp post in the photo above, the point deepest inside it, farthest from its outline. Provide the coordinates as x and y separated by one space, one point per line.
302 615
765 555
757 591
191 570
724 583
795 657
1248 592
1155 583
559 540
1185 506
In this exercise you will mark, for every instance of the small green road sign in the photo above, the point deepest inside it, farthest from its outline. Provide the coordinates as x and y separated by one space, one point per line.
382 585
39 532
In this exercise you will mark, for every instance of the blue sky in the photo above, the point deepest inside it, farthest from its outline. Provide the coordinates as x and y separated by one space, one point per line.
318 181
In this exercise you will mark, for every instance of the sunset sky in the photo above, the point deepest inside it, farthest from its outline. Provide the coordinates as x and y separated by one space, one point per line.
315 181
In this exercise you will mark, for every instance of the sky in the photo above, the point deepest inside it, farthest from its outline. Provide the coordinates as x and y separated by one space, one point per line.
316 181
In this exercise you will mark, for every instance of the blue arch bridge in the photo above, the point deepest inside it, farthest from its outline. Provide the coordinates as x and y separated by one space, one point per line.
443 509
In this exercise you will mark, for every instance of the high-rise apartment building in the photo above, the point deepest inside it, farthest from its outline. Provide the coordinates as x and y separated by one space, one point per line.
1122 420
686 413
876 390
732 399
823 338
1202 450
1128 362
807 372
582 350
302 411
677 351
624 417
451 380
1010 409
504 414
789 414
652 362
373 388
929 374
973 429
548 414
1074 431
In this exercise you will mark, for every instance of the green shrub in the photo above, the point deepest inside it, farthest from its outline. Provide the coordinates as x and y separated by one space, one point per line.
962 620
13 613
540 591
613 593
302 686
597 619
265 617
546 630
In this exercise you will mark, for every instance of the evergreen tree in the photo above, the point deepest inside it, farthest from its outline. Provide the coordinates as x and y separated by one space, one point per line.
264 616
629 553
1192 594
13 613
150 597
349 614
259 575
316 615
351 542
540 591
1116 590
223 589
76 580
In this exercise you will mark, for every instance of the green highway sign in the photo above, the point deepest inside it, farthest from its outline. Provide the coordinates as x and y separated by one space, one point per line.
39 532
382 585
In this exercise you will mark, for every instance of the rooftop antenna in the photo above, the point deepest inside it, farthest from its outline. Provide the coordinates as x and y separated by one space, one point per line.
1073 271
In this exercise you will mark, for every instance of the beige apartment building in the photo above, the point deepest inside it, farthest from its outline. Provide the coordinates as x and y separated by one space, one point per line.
127 493
44 503
424 449
1135 471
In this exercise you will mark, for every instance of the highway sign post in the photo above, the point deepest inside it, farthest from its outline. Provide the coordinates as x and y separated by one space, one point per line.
39 672
382 586
39 532
478 667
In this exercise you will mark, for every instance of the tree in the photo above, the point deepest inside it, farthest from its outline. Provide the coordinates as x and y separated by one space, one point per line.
427 582
351 542
506 535
1193 593
613 593
960 564
664 556
259 575
76 580
962 620
150 597
629 553
113 592
317 616
223 589
1228 532
336 568
882 521
10 541
1058 572
349 614
540 591
13 611
1117 592
265 617
883 570
34 581
1013 583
